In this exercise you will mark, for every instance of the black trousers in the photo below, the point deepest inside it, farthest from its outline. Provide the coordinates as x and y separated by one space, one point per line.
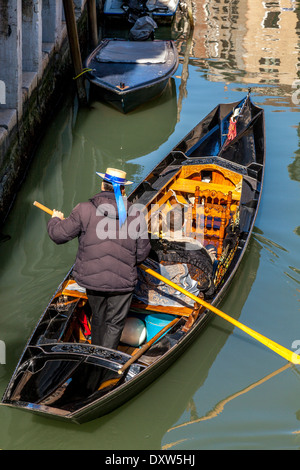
109 313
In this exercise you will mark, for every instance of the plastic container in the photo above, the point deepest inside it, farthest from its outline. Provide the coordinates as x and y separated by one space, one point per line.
134 332
155 322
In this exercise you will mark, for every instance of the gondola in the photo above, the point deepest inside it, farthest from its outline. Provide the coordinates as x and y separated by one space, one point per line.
214 178
128 73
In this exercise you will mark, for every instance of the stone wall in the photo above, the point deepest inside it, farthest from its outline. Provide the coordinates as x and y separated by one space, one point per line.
35 69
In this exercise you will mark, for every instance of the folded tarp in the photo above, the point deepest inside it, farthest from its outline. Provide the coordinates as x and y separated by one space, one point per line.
152 291
163 4
133 52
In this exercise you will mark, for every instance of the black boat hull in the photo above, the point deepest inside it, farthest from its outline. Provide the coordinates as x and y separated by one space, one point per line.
119 396
126 102
126 86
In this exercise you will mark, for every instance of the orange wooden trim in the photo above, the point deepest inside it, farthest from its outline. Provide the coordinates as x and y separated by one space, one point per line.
183 311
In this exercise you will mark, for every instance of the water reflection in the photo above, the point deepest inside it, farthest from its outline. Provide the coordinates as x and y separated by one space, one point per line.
132 135
219 407
249 40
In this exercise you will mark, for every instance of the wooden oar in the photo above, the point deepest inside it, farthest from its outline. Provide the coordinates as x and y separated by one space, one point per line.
44 208
282 351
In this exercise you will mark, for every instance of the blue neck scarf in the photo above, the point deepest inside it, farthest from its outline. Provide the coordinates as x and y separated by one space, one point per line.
117 182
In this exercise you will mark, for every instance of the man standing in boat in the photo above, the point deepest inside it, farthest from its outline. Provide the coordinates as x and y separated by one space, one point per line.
108 253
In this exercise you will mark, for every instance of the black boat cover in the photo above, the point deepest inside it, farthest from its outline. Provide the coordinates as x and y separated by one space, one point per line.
127 52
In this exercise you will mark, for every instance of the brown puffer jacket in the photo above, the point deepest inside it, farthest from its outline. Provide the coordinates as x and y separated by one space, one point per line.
107 258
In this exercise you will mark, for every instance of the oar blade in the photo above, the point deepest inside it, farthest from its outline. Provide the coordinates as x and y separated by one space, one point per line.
280 350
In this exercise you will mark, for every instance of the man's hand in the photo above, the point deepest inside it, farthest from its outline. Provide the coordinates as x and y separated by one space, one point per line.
58 214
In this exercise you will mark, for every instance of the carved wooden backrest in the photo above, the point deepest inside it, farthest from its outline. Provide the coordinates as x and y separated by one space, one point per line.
210 215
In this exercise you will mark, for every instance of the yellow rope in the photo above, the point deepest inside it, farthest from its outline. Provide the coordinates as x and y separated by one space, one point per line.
81 73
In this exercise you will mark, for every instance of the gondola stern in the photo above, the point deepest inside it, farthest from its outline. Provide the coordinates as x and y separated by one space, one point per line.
41 410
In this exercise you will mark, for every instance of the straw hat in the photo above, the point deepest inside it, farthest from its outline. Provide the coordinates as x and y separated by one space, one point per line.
115 176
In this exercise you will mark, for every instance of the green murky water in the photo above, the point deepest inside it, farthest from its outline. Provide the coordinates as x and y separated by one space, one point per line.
227 391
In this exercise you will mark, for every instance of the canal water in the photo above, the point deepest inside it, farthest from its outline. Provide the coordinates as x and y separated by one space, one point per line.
227 391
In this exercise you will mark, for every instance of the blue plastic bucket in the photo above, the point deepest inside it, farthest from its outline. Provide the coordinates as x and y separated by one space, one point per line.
155 322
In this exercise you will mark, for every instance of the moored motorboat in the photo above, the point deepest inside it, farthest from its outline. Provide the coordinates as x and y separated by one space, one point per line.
214 178
162 11
127 73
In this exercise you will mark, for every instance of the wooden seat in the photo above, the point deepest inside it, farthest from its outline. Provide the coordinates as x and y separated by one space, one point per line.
209 216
